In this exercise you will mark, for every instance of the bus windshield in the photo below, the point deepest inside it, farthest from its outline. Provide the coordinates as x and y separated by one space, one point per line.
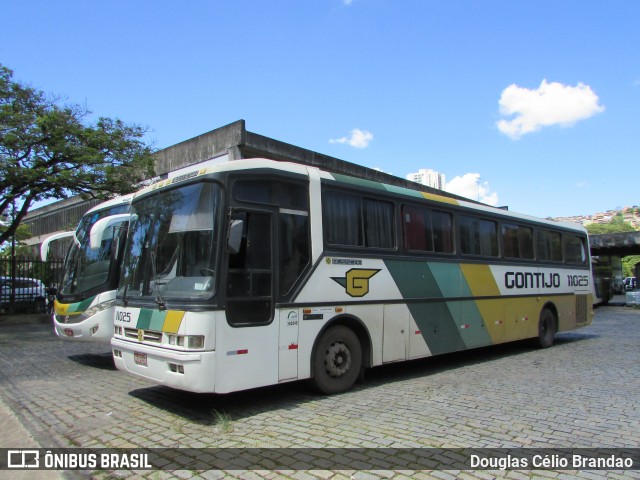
171 246
87 268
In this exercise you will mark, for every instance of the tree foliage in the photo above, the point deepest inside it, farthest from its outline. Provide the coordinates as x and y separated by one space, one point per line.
50 151
615 225
629 265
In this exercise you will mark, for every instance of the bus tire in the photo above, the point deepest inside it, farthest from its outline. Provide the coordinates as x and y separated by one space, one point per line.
546 328
337 361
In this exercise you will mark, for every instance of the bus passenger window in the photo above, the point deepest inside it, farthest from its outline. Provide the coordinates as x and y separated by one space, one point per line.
575 250
517 242
478 237
549 245
426 230
442 224
417 229
342 219
378 224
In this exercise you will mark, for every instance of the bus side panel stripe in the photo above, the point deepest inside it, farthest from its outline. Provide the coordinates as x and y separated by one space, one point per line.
437 325
480 280
172 321
413 279
493 315
144 319
439 198
473 326
489 314
157 320
78 307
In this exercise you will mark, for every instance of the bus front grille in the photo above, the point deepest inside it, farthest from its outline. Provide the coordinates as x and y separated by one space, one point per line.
143 335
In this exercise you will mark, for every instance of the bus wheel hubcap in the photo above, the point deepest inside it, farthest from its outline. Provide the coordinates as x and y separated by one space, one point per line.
338 360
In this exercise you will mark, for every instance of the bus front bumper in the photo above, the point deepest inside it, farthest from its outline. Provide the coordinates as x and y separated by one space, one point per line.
98 328
189 371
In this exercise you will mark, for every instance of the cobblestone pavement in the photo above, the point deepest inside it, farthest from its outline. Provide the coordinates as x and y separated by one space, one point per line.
583 392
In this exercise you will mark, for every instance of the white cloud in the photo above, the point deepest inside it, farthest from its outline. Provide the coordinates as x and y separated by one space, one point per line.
358 139
469 186
550 104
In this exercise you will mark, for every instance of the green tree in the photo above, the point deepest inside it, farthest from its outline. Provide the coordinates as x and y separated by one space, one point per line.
22 233
616 225
629 265
50 151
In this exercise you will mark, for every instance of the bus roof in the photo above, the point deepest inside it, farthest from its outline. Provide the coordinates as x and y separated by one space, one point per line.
304 170
112 203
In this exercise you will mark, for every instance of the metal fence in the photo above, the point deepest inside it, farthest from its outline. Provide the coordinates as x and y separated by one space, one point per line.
26 283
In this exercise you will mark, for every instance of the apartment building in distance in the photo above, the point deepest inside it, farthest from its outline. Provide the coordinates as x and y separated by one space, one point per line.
630 215
428 177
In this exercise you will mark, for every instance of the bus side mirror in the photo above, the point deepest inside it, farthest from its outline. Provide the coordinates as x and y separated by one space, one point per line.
234 241
97 231
119 238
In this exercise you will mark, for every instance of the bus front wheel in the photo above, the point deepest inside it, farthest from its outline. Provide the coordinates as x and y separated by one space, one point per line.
546 328
337 360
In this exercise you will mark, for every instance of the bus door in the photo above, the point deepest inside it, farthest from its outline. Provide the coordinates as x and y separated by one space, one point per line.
294 255
249 288
288 344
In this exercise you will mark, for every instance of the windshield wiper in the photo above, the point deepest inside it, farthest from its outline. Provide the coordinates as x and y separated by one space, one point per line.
162 305
125 302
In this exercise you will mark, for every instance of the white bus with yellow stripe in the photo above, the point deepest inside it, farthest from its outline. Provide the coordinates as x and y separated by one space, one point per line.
256 272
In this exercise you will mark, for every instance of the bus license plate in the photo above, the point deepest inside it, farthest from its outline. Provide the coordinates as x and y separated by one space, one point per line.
140 358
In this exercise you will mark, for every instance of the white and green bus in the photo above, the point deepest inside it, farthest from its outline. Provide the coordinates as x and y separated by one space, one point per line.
83 310
258 272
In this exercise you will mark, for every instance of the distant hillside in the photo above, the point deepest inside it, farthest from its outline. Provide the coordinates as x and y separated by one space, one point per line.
629 214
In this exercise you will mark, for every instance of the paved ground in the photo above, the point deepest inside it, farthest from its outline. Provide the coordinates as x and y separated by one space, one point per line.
583 392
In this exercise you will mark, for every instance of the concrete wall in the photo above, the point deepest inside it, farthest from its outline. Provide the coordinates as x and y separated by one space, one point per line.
235 141
615 244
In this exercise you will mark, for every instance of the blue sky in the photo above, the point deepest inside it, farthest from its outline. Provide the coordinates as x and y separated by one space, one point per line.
539 99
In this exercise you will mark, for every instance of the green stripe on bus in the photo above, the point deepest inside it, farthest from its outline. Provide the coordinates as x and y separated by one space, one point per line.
404 191
144 319
413 279
358 181
445 326
157 320
472 326
80 307
438 327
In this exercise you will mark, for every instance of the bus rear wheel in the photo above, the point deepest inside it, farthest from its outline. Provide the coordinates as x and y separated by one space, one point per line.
337 360
546 328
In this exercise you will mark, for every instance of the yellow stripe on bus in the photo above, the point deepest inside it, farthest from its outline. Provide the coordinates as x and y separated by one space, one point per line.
172 321
480 280
439 198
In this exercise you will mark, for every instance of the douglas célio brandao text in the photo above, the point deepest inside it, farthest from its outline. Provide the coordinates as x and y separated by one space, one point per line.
573 461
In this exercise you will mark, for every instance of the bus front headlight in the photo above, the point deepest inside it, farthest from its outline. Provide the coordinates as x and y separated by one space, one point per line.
91 311
194 342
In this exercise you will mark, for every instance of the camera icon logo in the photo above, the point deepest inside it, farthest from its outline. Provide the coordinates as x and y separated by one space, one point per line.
23 459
